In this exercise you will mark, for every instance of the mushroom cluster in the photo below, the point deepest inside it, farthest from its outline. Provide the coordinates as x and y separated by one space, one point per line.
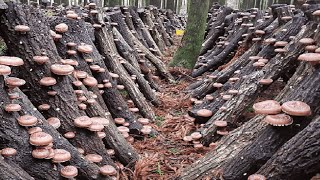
272 109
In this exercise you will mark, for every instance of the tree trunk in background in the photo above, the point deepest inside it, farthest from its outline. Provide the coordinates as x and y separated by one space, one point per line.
156 3
187 54
171 5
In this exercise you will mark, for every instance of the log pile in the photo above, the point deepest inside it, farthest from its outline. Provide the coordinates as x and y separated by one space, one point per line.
62 82
243 54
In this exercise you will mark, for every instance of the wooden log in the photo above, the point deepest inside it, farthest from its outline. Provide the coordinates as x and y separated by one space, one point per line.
63 105
144 86
9 171
159 23
298 158
253 156
146 17
104 41
229 146
87 170
140 27
250 87
216 30
160 66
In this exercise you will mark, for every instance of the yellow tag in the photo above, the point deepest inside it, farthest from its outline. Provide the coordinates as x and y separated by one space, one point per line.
179 32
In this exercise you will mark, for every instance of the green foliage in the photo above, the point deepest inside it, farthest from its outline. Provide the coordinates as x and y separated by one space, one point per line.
3 47
159 120
174 150
187 54
158 170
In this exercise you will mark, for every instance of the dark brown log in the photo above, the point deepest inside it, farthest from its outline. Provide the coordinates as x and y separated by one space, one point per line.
216 30
142 82
298 158
230 145
9 171
250 87
86 169
146 17
123 29
159 23
106 47
34 42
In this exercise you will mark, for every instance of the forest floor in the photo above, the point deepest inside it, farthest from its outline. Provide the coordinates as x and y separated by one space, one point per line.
165 155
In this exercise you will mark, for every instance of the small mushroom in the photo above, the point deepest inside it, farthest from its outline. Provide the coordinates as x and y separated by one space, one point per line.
296 108
61 28
69 172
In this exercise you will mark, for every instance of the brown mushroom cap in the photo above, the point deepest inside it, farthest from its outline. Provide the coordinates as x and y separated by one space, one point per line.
40 153
61 155
40 139
55 122
61 28
307 41
296 108
14 82
69 172
217 85
280 44
7 152
257 177
60 69
187 138
119 120
95 158
11 61
48 81
313 58
69 135
5 70
85 48
143 121
265 81
27 120
278 120
270 40
40 59
204 113
22 28
44 107
196 135
219 123
83 121
108 170
90 81
12 108
80 74
267 107
34 130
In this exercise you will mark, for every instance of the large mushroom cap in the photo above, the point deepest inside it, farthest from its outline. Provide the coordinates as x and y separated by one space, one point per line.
40 139
257 177
61 155
14 82
83 121
90 81
85 48
267 107
11 61
61 28
40 153
22 28
310 57
307 41
8 152
48 81
69 172
95 158
5 70
204 113
60 69
296 108
54 122
12 108
278 120
108 170
27 120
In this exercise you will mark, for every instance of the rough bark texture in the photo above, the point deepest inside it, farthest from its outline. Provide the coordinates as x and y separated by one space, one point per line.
187 54
63 105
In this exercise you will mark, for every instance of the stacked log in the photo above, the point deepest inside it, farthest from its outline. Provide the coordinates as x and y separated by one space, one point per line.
72 68
273 48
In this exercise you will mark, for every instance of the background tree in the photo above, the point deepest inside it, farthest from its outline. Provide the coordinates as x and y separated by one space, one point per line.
187 54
